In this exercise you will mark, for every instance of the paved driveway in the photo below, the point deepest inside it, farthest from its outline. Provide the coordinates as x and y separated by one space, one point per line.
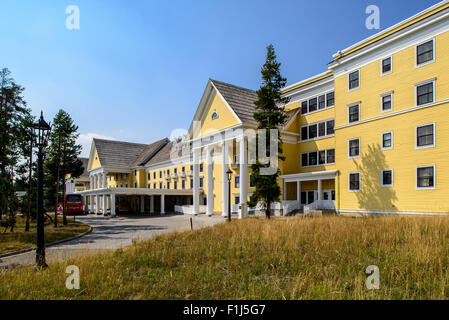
113 233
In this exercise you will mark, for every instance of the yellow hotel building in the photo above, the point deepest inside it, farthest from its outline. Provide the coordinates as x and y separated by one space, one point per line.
369 135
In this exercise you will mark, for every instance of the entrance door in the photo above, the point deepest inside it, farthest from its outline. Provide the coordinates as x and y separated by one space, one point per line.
329 195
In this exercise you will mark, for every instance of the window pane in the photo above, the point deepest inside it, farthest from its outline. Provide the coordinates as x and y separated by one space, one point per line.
303 197
330 127
331 156
425 52
322 157
354 113
305 159
330 97
386 102
387 177
322 102
425 177
353 80
354 148
304 107
354 181
386 65
313 131
304 133
425 93
425 135
313 104
322 129
313 158
386 140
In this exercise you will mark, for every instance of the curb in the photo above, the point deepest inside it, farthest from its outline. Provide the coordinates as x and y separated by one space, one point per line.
16 253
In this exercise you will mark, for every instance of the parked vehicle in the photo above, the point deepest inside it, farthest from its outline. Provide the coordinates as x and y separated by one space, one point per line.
74 204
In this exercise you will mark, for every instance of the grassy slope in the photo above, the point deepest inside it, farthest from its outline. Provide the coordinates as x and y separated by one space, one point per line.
19 239
322 258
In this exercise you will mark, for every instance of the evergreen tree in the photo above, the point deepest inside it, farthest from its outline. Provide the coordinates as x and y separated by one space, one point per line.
13 110
62 158
269 114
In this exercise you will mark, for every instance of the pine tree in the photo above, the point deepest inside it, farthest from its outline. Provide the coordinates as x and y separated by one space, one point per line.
62 157
269 114
13 110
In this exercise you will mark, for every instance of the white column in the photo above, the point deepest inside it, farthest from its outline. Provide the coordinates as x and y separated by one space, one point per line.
142 204
210 183
105 204
104 180
112 205
91 182
243 178
151 204
97 203
224 180
196 182
298 193
162 204
91 207
319 189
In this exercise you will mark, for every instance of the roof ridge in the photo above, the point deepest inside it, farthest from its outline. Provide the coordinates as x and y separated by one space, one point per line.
233 85
117 141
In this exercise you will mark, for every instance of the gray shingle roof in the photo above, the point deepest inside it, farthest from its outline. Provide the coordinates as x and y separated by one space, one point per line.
120 154
242 100
85 162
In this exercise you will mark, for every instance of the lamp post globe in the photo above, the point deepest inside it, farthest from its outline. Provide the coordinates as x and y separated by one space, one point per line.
41 131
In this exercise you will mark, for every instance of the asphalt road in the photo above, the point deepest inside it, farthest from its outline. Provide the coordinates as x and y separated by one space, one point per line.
113 233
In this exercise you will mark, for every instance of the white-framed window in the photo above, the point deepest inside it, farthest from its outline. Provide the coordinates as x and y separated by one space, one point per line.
236 199
183 184
386 102
425 177
168 185
201 182
236 181
425 92
425 136
354 112
318 158
425 53
386 66
387 178
354 80
318 130
387 140
318 103
154 185
354 148
175 185
354 182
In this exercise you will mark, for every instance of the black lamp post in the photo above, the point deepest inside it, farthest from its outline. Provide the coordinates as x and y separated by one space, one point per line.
42 132
229 173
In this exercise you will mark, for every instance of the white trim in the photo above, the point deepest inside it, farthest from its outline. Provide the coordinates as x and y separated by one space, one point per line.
382 96
318 137
423 83
317 159
374 36
349 82
416 53
382 140
307 80
343 211
434 178
353 105
310 176
382 66
349 148
393 114
349 182
382 178
434 136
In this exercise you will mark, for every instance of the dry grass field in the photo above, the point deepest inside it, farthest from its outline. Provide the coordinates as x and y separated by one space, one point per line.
316 258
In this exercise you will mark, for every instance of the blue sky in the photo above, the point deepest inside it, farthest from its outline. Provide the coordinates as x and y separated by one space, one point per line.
136 70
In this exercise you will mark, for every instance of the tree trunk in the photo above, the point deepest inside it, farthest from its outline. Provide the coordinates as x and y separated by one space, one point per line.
58 181
64 216
268 211
30 189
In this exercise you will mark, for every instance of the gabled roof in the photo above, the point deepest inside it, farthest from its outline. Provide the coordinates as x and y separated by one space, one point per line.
241 100
85 162
118 154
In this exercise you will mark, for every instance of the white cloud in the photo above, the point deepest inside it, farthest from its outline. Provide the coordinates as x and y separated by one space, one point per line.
85 140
